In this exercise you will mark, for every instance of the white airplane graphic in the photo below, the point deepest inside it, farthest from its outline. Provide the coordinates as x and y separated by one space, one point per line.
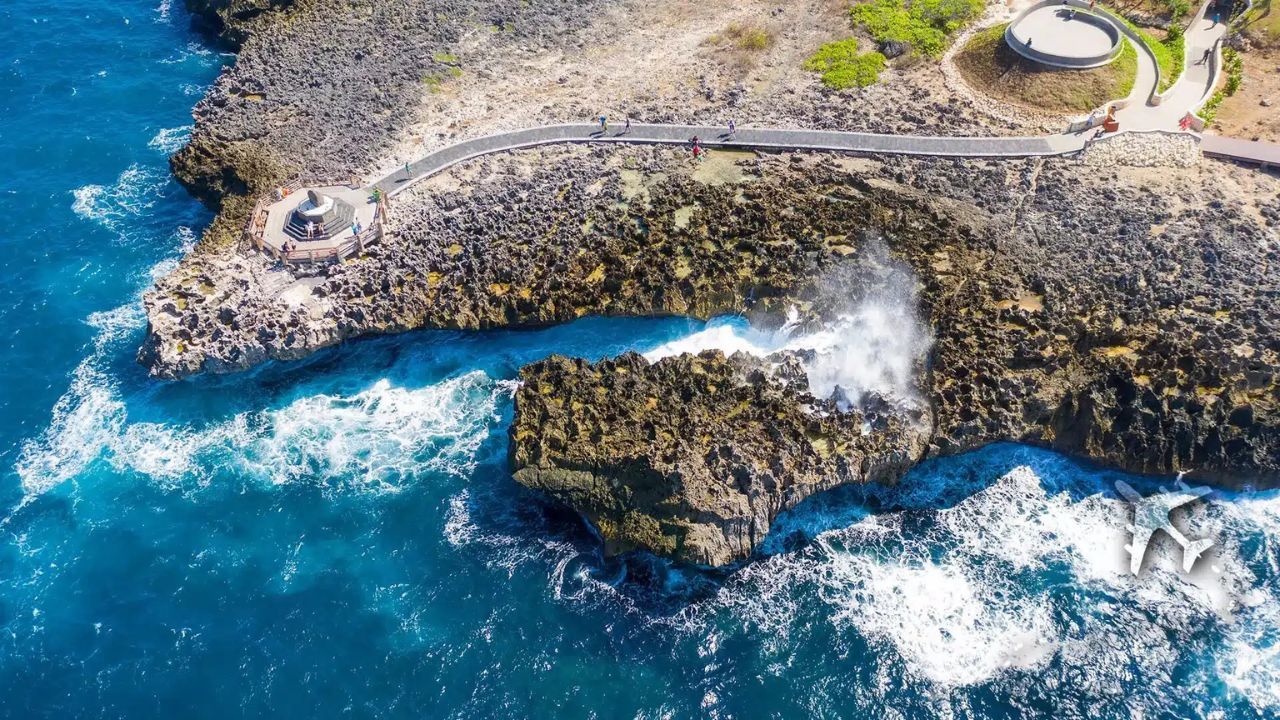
1151 514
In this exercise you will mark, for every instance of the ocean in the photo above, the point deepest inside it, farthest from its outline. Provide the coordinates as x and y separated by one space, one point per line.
340 537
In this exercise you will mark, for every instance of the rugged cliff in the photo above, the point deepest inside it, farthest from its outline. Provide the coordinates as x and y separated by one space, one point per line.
1127 315
1137 329
693 456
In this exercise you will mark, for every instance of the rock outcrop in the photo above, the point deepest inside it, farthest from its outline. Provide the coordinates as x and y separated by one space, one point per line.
693 456
1126 315
1136 331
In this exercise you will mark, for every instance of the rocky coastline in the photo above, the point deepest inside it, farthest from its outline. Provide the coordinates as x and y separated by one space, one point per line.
1127 315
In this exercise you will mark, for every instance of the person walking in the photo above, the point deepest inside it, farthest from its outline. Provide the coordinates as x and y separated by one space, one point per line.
604 124
697 152
1217 17
1208 52
733 128
626 127
406 168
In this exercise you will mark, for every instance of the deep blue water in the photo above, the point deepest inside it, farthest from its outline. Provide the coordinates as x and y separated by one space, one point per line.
340 537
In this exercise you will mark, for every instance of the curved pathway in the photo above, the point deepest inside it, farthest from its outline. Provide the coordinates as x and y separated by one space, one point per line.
747 139
1187 95
1192 88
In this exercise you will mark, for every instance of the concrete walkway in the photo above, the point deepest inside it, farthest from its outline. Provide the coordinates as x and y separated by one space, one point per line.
747 139
1192 87
1186 95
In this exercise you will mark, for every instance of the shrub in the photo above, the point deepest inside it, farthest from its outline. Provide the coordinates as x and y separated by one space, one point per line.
842 67
924 25
1234 66
745 37
832 54
1178 9
861 72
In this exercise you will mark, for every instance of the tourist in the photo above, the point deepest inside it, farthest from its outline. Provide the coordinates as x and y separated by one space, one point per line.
1208 52
733 128
1091 4
626 128
604 124
697 152
1217 17
406 167
355 228
311 229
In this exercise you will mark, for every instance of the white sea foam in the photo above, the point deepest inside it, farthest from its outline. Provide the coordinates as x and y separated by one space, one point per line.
873 346
170 140
719 335
975 593
112 206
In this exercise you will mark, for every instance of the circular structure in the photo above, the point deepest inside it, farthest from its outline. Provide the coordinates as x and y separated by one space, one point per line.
1062 36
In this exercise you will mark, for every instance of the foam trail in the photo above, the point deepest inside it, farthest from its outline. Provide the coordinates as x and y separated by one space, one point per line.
112 207
170 140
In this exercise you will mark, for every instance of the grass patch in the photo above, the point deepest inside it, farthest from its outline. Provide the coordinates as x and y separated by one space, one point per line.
1170 53
445 58
923 25
748 37
991 66
842 67
1262 23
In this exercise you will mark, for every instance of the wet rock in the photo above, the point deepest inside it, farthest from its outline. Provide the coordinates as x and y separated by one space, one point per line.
691 457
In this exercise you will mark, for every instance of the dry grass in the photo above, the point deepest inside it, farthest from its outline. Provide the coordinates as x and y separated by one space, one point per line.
739 45
989 66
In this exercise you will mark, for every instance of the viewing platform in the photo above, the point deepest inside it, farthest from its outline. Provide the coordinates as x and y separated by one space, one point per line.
325 223
1062 36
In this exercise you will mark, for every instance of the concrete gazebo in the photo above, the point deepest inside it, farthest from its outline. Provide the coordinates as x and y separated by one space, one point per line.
317 223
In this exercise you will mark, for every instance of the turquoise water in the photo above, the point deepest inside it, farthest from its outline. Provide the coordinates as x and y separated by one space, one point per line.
340 537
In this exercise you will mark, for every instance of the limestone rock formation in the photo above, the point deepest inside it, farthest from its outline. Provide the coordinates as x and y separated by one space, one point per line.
694 456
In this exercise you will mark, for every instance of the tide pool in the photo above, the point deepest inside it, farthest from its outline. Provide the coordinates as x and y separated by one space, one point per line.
340 537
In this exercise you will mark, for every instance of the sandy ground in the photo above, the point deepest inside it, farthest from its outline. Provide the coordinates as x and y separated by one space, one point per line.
673 61
1243 115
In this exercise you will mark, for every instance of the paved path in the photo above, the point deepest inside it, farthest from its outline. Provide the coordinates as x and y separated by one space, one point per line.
1186 94
1192 86
747 139
1247 150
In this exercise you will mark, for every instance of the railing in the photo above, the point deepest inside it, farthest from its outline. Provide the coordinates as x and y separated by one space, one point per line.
1107 25
255 230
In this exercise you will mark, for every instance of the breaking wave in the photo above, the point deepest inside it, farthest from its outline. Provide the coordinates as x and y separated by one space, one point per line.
113 206
959 588
170 140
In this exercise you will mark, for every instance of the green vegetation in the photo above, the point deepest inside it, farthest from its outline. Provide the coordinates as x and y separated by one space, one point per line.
445 58
991 66
749 37
842 67
1262 22
1233 64
435 81
1177 9
923 25
1170 53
